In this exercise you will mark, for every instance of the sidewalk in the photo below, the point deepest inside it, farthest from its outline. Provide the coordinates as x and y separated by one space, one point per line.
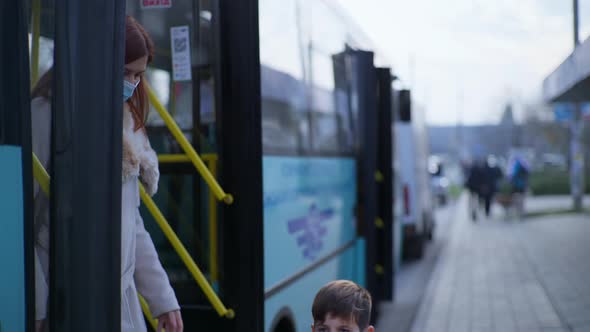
497 275
412 278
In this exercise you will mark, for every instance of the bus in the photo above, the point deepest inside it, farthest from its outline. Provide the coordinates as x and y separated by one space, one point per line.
272 122
327 158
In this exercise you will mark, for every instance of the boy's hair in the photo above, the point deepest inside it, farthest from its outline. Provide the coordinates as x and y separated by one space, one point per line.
344 299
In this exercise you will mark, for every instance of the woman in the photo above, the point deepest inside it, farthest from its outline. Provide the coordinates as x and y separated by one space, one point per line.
141 270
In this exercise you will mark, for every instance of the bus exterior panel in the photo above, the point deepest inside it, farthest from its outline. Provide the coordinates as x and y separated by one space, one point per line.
295 301
12 313
309 232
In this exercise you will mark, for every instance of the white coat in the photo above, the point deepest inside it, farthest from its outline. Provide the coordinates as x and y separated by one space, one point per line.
141 270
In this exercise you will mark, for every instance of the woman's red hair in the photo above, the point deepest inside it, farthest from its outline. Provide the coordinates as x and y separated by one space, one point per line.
138 44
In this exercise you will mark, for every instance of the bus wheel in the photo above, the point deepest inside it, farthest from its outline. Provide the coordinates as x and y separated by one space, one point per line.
417 247
414 247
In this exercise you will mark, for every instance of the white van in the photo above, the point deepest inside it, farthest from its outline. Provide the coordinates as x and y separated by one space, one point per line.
414 202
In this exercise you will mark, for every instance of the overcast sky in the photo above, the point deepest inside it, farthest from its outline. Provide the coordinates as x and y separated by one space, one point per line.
471 55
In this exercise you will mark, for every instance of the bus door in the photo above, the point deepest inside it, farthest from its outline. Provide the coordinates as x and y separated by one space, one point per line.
370 111
79 109
361 77
214 104
183 83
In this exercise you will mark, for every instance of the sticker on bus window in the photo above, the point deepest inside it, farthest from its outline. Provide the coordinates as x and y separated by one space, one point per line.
181 53
149 4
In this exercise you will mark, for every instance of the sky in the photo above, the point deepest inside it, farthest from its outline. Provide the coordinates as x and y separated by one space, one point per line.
465 59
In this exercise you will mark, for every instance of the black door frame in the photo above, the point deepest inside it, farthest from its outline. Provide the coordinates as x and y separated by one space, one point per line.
364 82
239 123
385 244
85 232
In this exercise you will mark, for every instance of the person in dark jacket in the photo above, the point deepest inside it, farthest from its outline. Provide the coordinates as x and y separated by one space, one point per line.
490 176
473 184
482 183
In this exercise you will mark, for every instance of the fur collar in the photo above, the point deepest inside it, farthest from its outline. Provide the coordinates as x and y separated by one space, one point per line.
139 159
131 148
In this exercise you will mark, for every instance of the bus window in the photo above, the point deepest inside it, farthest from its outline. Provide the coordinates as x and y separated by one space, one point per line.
325 137
284 76
304 106
281 38
329 36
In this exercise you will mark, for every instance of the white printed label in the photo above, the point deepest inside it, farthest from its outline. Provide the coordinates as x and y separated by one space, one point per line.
181 53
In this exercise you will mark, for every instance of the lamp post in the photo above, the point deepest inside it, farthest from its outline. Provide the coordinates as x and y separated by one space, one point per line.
577 182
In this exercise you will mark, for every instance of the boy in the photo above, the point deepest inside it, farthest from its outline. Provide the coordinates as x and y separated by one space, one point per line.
342 306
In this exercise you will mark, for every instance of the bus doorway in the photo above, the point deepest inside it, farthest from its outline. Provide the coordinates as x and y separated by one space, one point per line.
206 110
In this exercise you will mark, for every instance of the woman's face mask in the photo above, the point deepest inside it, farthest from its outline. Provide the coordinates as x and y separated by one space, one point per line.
128 89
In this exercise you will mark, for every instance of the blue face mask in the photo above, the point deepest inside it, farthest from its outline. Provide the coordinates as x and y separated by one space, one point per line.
128 89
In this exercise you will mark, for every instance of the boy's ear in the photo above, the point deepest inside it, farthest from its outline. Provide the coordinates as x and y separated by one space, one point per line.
369 329
312 328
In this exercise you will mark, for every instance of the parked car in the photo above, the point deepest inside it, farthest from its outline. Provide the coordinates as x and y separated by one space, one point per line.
413 182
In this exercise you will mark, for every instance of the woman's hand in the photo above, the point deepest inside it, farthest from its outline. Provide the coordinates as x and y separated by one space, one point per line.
171 321
149 178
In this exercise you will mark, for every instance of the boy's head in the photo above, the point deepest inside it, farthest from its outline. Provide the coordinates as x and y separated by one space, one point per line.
342 305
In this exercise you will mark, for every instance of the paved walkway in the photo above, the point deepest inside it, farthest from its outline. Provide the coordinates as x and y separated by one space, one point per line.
498 275
412 278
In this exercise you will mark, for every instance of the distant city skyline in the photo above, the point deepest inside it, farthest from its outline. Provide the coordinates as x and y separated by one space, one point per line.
467 58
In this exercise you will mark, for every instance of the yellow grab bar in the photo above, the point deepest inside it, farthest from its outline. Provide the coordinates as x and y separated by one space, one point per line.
182 158
36 20
40 175
185 256
173 158
146 312
188 149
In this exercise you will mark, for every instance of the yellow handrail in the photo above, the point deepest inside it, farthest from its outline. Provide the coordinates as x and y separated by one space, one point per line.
173 158
182 158
146 311
185 256
41 175
36 20
188 148
43 179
